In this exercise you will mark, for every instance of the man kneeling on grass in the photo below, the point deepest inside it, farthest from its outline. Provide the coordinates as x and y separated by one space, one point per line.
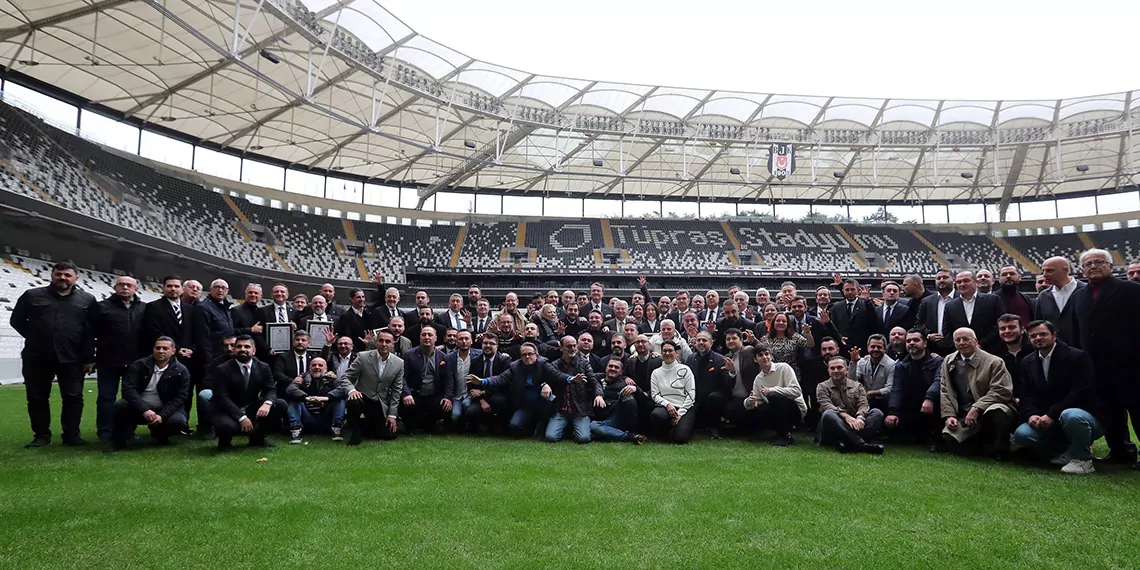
776 400
620 406
847 421
317 402
154 393
575 396
1057 399
245 398
976 395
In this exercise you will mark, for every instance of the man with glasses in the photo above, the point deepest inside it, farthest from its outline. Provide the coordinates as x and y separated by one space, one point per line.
212 321
976 394
528 385
1106 315
674 390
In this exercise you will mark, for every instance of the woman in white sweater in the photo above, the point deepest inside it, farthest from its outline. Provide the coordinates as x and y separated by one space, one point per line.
674 390
776 399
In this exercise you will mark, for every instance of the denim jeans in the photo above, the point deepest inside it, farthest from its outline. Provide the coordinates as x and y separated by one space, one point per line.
332 415
617 427
1076 429
524 418
557 426
458 406
108 380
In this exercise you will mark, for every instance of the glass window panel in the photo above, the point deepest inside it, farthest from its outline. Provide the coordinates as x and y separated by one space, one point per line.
347 190
378 195
166 149
907 214
50 108
108 131
488 204
262 174
1076 207
1117 203
217 164
755 210
935 214
638 208
717 210
967 213
409 198
564 207
679 209
522 205
455 203
305 183
1043 210
792 211
605 208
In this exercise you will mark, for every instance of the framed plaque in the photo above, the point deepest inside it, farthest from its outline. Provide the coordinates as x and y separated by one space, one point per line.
317 334
279 336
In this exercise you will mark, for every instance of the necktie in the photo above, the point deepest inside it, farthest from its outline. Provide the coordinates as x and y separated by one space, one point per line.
300 364
486 367
280 314
177 312
480 327
887 314
850 310
245 374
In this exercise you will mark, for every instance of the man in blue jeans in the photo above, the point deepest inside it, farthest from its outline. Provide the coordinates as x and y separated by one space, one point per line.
621 406
1057 401
317 403
528 384
575 396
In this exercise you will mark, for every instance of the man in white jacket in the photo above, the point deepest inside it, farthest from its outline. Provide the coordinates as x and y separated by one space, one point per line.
674 390
669 332
776 397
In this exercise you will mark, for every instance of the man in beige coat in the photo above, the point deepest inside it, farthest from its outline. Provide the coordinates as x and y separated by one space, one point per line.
377 377
976 397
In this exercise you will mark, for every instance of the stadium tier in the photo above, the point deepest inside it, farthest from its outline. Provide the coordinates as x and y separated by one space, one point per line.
61 169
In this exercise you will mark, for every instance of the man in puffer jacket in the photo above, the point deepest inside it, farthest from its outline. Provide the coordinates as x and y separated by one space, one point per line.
317 402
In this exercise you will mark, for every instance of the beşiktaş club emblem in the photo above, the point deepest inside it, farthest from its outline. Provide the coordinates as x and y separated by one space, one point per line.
782 160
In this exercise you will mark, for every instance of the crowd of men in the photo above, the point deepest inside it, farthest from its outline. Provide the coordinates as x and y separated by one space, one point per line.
970 366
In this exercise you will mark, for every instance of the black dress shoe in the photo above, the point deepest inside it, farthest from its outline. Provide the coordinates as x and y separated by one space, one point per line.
783 441
354 441
112 446
262 443
225 444
1118 457
873 448
76 441
40 441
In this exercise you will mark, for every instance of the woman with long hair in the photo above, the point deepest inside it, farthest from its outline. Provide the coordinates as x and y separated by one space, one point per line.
784 342
650 322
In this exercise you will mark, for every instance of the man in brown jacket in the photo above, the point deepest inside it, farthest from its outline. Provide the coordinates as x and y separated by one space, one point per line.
976 397
847 420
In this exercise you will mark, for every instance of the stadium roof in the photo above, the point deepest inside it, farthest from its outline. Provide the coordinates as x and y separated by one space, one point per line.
345 86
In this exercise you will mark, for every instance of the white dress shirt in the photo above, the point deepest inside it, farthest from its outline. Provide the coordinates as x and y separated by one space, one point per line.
968 306
942 310
1046 359
1061 294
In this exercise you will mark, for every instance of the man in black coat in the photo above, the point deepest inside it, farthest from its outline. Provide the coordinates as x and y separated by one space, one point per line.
173 316
915 293
356 321
639 367
1055 305
1110 332
245 398
57 346
978 312
731 320
714 383
247 319
894 310
912 411
854 317
117 323
486 403
291 366
527 384
1057 402
932 311
428 384
154 394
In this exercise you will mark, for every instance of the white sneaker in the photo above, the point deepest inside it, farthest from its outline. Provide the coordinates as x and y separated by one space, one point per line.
1079 467
294 436
1060 460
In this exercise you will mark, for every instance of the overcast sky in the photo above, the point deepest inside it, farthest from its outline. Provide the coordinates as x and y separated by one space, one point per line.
965 49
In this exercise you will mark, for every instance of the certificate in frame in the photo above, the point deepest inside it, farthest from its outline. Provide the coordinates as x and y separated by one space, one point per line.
279 336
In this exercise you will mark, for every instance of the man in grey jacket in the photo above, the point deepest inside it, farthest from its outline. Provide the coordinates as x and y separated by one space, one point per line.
875 371
377 378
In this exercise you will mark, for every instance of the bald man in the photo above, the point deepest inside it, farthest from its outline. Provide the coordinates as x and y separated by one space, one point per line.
317 402
116 323
1134 272
1053 303
976 395
975 310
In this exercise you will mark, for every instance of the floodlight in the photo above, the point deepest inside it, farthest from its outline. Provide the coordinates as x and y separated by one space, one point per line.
597 162
967 175
734 171
1082 168
469 143
838 175
270 56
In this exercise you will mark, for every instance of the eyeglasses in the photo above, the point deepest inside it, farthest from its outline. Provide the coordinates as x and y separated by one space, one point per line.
1094 263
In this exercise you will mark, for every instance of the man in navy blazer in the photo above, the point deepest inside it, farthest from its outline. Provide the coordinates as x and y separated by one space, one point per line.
855 318
1057 401
245 398
976 311
426 396
487 403
893 312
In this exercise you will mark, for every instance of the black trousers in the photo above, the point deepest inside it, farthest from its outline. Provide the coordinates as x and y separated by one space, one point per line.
127 418
994 435
1117 409
424 414
917 427
833 429
778 414
497 417
197 384
680 433
711 409
375 422
38 375
226 427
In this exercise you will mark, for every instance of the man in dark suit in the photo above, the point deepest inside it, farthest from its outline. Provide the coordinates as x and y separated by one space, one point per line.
289 367
894 310
481 319
1110 332
854 317
932 311
976 311
172 316
247 319
639 367
317 311
740 364
915 293
279 311
714 383
1054 304
425 321
821 327
245 399
334 310
116 323
154 393
731 319
527 384
453 317
427 384
382 312
1057 402
620 315
597 303
485 403
458 363
356 321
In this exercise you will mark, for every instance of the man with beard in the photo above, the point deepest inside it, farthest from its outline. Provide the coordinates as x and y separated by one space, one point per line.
932 313
57 345
527 382
427 383
1043 284
639 367
822 303
1134 272
985 280
740 364
847 421
595 329
854 317
154 393
1015 301
510 338
915 293
426 321
572 322
731 319
617 419
1054 304
814 373
1110 332
874 371
316 402
245 399
400 343
485 404
617 352
474 294
586 350
574 400
377 378
896 345
913 409
1014 346
356 321
334 310
713 381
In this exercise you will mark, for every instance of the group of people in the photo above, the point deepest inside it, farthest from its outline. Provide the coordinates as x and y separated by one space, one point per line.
970 366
